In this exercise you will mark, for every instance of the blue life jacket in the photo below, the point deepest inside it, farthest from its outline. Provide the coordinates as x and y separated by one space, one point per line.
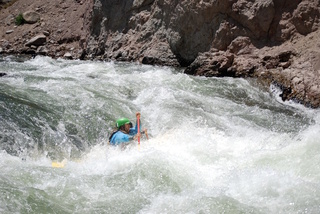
119 137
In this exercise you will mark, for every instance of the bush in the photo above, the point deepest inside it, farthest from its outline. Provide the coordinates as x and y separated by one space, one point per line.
20 20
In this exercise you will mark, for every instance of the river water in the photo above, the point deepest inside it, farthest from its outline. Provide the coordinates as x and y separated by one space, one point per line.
216 145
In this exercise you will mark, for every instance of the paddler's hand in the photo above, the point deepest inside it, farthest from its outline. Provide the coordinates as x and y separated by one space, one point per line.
138 115
137 136
146 133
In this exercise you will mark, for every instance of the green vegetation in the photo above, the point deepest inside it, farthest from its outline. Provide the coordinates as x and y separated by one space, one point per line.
20 20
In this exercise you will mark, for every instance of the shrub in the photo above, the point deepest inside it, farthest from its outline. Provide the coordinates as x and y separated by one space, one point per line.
20 20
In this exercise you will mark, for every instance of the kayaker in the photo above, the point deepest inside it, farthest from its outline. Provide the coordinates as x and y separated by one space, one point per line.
125 132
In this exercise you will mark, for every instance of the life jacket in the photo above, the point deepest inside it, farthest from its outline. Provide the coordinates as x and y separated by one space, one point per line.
112 135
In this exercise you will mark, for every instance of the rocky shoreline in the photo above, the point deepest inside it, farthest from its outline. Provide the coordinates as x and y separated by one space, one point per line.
275 41
52 28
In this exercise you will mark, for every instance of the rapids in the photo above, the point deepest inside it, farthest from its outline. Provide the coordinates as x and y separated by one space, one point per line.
217 145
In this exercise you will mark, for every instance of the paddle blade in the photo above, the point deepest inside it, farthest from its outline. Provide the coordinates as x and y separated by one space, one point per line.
57 164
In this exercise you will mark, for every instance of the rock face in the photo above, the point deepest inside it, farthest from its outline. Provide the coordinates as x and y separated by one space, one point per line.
187 28
276 41
273 40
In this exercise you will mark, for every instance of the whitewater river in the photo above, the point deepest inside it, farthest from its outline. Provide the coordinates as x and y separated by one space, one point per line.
216 145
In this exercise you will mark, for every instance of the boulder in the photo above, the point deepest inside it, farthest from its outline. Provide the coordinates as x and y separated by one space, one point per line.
9 19
67 55
42 50
31 17
212 64
37 40
5 44
46 33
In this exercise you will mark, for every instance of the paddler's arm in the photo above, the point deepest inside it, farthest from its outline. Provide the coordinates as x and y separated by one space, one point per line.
134 130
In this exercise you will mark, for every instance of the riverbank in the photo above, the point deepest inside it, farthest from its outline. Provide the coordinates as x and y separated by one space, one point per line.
274 41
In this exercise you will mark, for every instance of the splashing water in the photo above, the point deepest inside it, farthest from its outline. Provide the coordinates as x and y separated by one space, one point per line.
217 145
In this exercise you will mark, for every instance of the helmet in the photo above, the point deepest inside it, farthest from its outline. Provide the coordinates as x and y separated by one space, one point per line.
122 121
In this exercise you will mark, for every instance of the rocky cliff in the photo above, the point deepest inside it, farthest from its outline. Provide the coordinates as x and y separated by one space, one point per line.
276 41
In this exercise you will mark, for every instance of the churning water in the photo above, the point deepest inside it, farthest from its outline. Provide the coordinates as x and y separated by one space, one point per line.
216 145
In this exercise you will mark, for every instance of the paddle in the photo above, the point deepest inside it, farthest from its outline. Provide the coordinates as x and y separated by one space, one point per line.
59 164
138 124
138 121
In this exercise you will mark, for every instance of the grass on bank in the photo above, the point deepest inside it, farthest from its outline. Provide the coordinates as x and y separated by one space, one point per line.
20 20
